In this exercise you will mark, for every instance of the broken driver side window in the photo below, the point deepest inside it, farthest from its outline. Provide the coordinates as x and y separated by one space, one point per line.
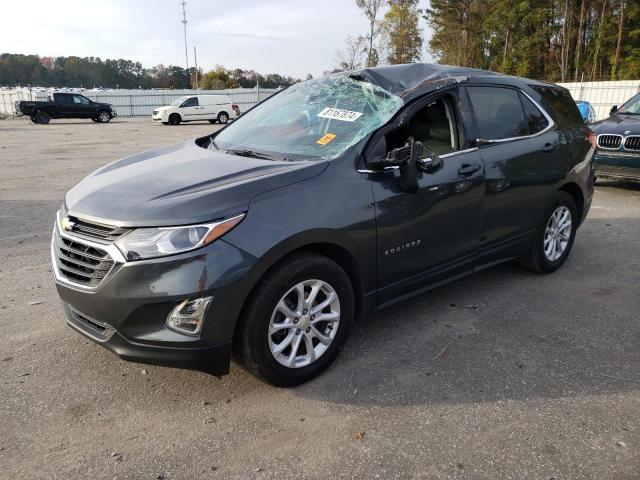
434 125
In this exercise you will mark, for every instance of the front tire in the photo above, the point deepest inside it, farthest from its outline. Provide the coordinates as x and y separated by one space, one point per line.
174 119
554 236
104 116
296 321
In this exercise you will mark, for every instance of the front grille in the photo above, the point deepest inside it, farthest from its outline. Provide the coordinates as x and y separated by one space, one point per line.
609 141
100 231
618 172
80 263
632 143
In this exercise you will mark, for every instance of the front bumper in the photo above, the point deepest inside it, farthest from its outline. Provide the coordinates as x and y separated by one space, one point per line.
126 311
211 359
618 165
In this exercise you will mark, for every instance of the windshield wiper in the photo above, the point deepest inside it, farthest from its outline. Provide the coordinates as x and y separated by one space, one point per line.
250 153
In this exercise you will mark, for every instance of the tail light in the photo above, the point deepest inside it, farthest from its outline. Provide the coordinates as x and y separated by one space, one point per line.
235 108
591 138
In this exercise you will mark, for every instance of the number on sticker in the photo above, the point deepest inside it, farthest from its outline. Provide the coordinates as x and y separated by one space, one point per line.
337 114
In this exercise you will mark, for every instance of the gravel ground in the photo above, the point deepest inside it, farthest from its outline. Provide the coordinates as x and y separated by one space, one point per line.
504 375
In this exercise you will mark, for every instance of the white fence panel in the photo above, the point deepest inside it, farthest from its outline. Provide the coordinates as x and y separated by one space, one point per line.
135 103
140 103
603 95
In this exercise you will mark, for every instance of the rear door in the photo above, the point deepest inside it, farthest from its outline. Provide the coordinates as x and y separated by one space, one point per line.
522 153
65 106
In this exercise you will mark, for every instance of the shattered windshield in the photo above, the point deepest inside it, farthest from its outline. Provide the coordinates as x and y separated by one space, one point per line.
315 119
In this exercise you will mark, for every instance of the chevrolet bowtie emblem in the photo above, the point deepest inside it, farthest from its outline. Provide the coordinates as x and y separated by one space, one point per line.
67 224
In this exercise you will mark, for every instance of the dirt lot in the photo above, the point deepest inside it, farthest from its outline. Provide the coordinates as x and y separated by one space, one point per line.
505 375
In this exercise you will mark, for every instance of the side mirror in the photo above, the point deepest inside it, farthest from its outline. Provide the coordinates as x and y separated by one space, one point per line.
406 158
613 110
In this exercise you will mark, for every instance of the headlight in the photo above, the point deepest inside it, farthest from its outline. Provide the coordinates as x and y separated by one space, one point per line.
144 243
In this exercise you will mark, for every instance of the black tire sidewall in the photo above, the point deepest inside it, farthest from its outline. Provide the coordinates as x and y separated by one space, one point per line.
268 295
174 119
42 118
560 199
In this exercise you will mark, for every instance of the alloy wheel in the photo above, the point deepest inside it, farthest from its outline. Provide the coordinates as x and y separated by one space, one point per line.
304 323
104 117
558 233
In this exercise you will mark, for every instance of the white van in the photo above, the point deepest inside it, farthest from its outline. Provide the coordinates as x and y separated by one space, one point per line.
215 108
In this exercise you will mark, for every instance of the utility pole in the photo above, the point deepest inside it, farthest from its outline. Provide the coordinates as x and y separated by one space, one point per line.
184 23
195 60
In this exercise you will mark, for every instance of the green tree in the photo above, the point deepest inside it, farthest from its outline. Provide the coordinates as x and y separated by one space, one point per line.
401 33
371 10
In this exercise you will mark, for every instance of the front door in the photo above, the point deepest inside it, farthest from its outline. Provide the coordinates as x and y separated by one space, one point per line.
82 107
433 233
190 109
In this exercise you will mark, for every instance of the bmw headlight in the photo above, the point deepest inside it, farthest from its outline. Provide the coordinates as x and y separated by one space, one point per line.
144 243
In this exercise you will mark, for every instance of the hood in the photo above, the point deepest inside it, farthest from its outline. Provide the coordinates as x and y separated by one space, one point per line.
179 184
618 123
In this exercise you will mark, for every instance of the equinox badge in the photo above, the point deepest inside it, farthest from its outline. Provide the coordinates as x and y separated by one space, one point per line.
400 248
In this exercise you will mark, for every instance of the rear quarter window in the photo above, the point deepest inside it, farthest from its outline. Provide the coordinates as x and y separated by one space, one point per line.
559 105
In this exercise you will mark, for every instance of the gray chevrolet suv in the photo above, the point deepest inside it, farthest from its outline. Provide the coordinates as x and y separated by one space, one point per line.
336 196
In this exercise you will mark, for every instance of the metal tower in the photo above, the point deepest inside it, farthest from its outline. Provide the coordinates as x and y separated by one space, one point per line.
184 23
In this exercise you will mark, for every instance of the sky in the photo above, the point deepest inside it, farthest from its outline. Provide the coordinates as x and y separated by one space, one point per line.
290 37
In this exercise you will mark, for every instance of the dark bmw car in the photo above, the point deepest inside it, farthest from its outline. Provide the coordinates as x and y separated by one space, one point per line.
618 143
336 196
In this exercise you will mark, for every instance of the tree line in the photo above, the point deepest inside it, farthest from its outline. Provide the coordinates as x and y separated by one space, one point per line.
89 72
556 40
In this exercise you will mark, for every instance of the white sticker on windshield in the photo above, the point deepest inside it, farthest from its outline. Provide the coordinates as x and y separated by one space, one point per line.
337 114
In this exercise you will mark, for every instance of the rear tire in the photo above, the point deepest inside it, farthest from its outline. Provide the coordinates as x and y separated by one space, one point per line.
223 117
33 118
267 351
42 117
554 235
174 119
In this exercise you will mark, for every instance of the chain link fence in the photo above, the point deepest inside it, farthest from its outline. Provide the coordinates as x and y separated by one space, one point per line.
134 103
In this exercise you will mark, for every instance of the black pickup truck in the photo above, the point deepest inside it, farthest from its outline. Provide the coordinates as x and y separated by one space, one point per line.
66 105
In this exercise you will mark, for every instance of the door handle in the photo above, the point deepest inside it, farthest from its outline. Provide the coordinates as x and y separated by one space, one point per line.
469 169
549 147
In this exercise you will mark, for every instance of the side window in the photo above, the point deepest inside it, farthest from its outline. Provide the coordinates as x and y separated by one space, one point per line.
558 103
434 125
64 98
498 112
190 102
536 121
80 100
